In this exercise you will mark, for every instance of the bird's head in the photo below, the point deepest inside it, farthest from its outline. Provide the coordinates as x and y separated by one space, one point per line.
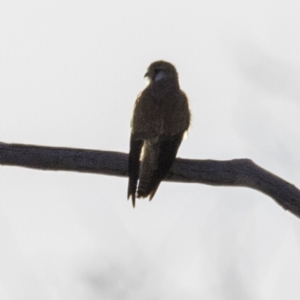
160 71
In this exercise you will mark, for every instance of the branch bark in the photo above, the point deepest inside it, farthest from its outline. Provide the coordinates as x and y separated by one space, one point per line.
236 172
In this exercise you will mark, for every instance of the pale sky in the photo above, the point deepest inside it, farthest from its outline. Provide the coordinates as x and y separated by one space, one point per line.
70 72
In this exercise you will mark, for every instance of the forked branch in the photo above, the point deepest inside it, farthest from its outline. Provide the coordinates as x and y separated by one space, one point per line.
237 172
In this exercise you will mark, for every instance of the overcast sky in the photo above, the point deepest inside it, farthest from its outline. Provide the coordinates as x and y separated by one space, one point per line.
70 72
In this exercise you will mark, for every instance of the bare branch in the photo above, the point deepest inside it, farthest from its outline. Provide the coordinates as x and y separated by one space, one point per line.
237 172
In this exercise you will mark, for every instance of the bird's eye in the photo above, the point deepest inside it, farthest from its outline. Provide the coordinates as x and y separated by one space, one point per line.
159 74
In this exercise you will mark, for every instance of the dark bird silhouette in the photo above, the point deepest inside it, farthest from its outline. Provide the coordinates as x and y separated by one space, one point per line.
160 118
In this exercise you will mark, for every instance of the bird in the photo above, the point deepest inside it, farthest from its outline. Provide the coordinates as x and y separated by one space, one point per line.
161 116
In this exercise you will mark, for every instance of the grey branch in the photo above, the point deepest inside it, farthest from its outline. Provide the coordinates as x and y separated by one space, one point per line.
236 172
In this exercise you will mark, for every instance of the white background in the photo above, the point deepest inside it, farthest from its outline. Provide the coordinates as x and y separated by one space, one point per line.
69 75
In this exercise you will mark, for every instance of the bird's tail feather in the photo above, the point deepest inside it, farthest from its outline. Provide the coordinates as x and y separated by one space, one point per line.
154 169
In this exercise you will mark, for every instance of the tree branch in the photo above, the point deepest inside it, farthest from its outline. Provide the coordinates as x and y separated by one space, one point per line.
237 172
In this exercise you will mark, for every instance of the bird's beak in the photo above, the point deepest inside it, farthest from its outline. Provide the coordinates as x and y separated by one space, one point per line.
147 74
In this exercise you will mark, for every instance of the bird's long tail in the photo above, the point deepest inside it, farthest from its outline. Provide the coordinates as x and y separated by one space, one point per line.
157 161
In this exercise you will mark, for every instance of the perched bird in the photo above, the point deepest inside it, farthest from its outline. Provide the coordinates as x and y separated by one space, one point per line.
160 118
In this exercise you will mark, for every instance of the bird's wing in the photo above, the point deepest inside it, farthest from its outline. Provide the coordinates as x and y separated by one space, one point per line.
134 166
166 150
